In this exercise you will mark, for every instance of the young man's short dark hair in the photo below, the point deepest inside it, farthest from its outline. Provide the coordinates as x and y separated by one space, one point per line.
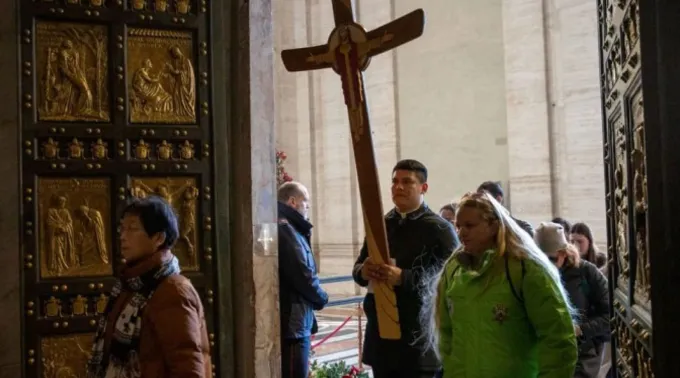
492 187
413 166
156 216
564 223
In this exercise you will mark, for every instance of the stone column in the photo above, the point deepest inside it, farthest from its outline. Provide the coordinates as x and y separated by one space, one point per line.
10 280
574 92
252 207
529 154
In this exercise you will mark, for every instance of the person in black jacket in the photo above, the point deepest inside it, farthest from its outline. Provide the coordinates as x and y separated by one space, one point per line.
496 191
588 292
420 241
300 291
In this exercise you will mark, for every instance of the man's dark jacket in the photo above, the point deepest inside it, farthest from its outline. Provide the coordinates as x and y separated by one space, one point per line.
420 242
300 291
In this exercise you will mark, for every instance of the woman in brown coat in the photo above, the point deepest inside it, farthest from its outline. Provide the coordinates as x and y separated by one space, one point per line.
154 325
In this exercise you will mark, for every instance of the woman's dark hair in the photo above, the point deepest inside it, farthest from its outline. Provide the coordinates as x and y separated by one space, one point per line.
156 216
583 229
450 207
564 223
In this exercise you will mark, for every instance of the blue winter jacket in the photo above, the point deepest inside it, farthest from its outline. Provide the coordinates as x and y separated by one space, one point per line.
300 290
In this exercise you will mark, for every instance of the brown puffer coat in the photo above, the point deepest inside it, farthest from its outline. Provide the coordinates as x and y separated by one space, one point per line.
174 338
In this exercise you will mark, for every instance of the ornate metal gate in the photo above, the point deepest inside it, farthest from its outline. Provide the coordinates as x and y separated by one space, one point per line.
626 174
116 103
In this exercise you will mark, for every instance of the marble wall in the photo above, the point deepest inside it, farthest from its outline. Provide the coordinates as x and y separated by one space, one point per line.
554 117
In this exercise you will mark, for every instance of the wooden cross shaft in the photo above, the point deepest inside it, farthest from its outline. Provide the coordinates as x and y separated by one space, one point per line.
348 52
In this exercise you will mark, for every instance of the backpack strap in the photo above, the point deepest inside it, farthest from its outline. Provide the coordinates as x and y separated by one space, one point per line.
519 295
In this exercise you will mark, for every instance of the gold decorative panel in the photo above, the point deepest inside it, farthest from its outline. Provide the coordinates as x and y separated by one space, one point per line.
639 170
65 356
71 65
183 194
161 77
621 201
74 227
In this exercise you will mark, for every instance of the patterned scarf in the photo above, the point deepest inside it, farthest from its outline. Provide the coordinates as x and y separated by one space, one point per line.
121 359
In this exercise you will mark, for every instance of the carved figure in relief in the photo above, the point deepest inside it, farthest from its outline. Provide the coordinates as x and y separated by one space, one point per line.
349 55
640 178
74 77
184 91
188 218
183 6
60 237
65 356
642 277
182 194
186 151
75 149
100 306
99 150
149 94
165 150
72 67
52 308
51 149
165 95
138 4
74 234
633 27
79 306
92 238
163 190
142 150
161 5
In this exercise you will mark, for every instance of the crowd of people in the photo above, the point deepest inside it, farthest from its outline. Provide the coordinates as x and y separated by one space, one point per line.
480 293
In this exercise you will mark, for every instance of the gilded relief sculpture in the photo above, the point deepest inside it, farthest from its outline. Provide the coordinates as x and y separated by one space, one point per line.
60 238
72 69
65 356
642 277
182 194
92 238
74 238
621 203
188 219
166 94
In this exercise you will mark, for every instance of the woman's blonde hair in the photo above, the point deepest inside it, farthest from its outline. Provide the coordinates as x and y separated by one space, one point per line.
573 255
511 239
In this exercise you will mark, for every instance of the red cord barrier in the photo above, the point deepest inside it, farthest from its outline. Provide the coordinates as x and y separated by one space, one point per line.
332 333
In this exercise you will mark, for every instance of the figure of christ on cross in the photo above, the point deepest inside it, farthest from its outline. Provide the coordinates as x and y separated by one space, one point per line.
349 58
348 53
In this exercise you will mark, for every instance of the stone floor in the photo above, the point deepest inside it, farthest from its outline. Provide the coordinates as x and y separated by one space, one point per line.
341 346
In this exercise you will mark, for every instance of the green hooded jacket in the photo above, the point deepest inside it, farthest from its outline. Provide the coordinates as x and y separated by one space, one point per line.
486 332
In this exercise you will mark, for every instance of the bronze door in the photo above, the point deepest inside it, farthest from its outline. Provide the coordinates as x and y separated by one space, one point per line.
115 100
626 179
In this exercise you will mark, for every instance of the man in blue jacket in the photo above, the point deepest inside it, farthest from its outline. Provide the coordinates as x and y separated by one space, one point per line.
300 290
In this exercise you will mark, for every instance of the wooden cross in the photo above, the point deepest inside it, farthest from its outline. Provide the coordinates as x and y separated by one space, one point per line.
348 53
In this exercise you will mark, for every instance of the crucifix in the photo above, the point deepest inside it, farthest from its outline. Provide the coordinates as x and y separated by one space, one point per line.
348 52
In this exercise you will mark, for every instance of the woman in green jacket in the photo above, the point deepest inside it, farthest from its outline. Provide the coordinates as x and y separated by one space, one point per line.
500 310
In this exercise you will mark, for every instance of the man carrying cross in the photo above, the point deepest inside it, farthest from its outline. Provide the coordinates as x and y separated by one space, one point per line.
348 52
420 242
